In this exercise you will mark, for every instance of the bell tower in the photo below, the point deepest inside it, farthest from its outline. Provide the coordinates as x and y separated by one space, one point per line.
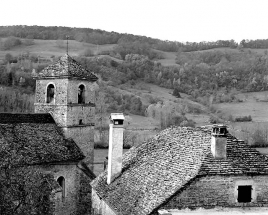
67 91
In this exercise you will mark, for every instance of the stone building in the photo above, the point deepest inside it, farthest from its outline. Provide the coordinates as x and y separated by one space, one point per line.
40 143
184 168
67 91
58 138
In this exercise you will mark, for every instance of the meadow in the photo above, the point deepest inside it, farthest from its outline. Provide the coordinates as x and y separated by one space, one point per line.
48 48
254 104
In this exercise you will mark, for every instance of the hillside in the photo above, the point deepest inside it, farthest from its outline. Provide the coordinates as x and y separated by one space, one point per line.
48 48
140 80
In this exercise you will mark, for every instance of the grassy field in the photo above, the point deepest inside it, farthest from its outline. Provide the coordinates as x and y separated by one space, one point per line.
169 58
48 48
254 104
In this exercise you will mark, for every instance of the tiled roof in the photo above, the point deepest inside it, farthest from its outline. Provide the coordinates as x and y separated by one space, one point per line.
24 140
26 118
241 159
65 67
160 167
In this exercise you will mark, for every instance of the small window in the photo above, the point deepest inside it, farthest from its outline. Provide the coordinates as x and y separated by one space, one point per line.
80 122
244 193
50 93
61 181
81 94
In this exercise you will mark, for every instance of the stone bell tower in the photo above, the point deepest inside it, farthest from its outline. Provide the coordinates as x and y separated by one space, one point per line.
67 91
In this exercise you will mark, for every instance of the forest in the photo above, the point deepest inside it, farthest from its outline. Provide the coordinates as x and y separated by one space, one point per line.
97 36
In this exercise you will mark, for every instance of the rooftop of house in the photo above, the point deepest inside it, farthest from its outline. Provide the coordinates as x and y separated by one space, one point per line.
160 167
65 67
30 139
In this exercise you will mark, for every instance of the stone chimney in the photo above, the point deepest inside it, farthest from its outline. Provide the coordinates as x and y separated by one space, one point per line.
115 146
219 141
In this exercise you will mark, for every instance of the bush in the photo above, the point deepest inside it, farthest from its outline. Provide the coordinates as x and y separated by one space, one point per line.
214 120
230 118
243 119
153 99
176 93
11 42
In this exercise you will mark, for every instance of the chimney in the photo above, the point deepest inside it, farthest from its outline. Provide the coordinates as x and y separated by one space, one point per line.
219 141
115 146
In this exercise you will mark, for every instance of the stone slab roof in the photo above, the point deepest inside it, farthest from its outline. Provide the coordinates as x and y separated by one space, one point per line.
65 67
160 167
7 118
29 139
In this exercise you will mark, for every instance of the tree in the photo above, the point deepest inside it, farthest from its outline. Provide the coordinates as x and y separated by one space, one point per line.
176 93
8 57
24 190
11 42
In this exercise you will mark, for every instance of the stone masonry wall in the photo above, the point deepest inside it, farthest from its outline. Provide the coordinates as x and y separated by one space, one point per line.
59 112
212 191
66 93
73 91
60 95
84 138
64 87
71 174
77 113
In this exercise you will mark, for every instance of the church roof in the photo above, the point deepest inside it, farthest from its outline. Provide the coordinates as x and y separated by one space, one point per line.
162 166
29 139
65 67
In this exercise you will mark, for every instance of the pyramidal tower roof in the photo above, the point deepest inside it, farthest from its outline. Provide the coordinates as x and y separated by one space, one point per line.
65 67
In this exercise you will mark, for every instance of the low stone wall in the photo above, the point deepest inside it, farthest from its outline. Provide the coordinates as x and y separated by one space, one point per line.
214 191
217 211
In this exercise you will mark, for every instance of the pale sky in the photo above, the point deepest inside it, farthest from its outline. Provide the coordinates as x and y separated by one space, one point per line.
174 20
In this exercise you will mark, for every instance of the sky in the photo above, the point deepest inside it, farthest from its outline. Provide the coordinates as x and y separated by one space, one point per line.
174 20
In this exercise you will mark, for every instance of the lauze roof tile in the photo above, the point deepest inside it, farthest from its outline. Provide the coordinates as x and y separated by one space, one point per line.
65 67
29 139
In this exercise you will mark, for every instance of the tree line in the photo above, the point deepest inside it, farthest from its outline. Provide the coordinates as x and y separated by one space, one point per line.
97 36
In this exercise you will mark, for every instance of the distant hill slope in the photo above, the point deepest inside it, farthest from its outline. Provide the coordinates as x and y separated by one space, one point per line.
48 48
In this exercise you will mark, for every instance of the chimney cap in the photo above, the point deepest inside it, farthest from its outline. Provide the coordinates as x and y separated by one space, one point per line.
219 130
219 126
117 116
